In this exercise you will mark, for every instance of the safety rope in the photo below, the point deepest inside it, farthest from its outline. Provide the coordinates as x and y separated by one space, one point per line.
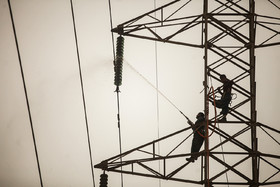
214 101
117 90
25 92
207 123
83 92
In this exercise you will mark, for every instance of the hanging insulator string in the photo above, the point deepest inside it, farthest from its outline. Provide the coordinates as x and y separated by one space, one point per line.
26 95
103 180
83 93
119 62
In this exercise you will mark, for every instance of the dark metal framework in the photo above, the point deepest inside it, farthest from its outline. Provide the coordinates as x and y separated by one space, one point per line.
229 38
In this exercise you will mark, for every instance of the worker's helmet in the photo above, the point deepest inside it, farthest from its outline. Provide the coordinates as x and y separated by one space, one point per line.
200 114
222 76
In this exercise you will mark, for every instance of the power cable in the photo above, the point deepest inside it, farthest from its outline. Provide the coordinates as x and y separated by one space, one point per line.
118 70
157 94
83 92
111 25
25 92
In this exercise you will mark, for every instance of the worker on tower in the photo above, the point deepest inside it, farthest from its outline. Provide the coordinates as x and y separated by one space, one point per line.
226 96
198 136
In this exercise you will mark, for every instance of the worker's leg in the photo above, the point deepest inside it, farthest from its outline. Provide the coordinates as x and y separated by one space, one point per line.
196 143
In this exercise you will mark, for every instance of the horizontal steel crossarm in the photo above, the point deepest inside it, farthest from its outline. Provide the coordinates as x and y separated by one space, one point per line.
177 170
183 29
264 25
159 23
117 164
130 31
104 163
169 41
156 176
151 170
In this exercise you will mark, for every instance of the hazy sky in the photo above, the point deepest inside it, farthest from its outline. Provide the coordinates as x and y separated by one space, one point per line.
47 47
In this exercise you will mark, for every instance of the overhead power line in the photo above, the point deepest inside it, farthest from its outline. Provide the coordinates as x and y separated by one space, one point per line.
25 92
83 92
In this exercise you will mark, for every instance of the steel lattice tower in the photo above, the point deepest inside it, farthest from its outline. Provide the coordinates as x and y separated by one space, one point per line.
228 37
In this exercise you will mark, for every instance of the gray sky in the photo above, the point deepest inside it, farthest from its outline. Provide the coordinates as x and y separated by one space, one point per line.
48 53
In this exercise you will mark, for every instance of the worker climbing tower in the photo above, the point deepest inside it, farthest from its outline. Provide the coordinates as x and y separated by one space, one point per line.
229 37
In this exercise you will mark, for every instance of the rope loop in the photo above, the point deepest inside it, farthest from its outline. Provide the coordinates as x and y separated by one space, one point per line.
207 124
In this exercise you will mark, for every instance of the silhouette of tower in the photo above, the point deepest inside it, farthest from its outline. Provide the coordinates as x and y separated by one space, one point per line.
228 34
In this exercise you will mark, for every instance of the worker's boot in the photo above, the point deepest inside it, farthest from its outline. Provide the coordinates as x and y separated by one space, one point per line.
191 159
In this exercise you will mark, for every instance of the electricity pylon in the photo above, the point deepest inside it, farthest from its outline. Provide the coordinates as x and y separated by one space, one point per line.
227 30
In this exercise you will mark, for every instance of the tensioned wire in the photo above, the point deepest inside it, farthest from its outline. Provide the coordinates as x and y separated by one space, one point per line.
117 90
157 94
25 92
83 92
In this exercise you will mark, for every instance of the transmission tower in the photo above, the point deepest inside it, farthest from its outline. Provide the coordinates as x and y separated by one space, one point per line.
228 34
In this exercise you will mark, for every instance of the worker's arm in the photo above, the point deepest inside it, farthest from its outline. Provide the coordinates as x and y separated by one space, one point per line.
190 123
219 90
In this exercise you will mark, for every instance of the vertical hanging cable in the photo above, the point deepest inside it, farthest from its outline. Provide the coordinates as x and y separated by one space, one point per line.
83 93
224 159
111 25
25 91
118 69
156 64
